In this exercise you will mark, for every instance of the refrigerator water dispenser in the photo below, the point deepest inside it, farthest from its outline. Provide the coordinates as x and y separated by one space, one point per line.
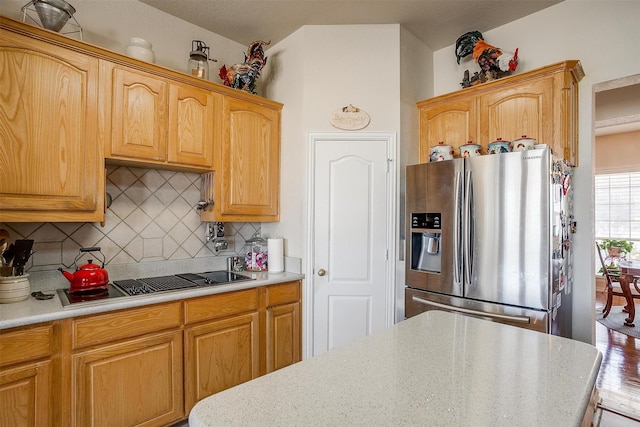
425 242
426 251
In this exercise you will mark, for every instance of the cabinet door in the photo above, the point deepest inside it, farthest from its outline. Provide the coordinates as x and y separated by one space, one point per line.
220 355
50 159
453 122
283 336
191 124
138 115
25 394
249 185
129 383
523 109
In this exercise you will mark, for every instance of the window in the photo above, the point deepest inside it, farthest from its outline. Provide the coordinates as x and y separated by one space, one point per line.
617 207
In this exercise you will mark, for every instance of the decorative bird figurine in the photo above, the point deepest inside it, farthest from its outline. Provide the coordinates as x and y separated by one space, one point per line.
243 76
493 61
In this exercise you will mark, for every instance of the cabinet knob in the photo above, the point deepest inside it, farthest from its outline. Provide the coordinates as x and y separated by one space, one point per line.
321 272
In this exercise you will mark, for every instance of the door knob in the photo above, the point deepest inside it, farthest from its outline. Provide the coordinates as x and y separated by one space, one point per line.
321 272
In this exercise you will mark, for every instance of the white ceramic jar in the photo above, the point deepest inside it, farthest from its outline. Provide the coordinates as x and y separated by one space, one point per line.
139 48
499 146
470 149
440 152
523 144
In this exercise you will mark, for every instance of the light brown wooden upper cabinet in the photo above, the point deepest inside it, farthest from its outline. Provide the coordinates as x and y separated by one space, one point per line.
541 104
156 121
448 121
247 163
51 163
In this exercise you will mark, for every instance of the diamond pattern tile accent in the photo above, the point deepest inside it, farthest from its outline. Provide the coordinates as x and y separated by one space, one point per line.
152 218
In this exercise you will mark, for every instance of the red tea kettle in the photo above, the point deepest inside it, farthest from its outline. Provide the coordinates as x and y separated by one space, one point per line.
89 276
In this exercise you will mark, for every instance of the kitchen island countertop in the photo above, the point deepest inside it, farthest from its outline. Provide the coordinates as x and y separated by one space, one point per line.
437 368
33 311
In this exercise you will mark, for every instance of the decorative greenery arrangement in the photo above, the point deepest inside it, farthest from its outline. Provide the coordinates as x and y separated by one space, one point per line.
616 249
624 247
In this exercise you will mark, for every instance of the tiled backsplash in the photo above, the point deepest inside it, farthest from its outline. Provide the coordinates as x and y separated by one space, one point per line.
152 218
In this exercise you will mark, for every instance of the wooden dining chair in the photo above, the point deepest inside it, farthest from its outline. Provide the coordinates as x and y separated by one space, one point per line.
613 286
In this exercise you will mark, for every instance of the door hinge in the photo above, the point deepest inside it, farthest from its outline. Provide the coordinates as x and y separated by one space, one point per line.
387 254
389 165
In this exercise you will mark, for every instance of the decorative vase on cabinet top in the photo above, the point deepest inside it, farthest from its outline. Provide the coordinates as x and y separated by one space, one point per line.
139 48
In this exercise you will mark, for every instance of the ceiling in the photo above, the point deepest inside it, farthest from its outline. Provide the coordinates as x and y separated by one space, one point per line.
437 23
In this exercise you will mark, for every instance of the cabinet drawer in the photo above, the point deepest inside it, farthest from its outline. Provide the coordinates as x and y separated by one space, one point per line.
221 305
283 294
22 344
124 324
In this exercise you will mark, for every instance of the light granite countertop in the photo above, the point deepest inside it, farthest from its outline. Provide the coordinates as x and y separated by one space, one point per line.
33 311
434 369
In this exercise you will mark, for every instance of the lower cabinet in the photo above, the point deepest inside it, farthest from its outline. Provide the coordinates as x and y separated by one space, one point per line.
283 332
135 382
25 394
146 366
220 355
26 397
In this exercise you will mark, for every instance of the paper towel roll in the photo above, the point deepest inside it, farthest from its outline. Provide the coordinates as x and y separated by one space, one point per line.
275 249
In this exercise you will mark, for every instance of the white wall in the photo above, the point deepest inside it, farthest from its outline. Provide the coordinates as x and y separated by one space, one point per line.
110 24
315 71
603 36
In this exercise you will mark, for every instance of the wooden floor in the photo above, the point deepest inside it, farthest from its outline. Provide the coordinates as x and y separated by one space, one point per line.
619 378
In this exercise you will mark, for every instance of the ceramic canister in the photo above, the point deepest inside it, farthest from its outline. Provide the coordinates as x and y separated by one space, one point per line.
498 146
139 48
523 144
14 288
470 149
441 152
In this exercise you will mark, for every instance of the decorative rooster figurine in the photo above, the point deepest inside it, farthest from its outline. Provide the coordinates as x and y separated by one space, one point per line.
243 76
493 61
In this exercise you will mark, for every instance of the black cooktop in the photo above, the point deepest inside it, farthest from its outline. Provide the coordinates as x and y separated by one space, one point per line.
150 285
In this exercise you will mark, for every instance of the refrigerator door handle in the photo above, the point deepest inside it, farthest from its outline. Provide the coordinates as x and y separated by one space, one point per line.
514 319
457 234
468 229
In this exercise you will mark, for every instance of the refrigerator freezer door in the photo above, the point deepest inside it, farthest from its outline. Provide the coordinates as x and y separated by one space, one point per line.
434 190
509 229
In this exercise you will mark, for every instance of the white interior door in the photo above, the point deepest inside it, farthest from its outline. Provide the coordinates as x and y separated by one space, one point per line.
350 275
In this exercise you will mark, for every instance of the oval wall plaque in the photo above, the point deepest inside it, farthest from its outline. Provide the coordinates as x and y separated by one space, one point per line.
349 118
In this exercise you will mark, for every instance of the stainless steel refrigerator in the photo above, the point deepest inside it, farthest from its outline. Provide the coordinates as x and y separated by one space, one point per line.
490 236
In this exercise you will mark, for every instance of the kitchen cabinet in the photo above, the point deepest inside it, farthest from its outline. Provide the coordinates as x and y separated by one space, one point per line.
126 367
541 104
447 121
51 159
147 365
247 163
71 106
222 341
283 332
157 121
26 375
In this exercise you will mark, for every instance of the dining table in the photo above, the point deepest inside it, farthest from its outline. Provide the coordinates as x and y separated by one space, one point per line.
629 269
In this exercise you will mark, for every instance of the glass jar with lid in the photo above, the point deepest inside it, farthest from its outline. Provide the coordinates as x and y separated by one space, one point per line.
198 65
257 256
